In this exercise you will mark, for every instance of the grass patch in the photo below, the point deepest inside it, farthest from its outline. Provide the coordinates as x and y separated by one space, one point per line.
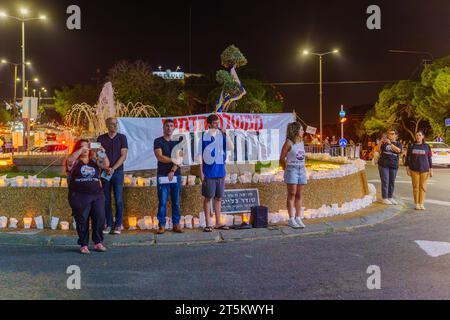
12 172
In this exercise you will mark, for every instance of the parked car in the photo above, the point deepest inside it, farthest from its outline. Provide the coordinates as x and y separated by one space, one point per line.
54 147
440 151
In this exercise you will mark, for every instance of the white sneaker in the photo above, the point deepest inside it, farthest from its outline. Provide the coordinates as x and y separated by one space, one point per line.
418 207
394 202
386 201
293 224
422 207
300 222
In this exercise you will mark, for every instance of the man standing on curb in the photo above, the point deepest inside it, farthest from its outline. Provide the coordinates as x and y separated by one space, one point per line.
169 177
214 146
116 146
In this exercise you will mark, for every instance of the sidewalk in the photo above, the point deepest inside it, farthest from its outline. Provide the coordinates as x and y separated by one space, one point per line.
377 213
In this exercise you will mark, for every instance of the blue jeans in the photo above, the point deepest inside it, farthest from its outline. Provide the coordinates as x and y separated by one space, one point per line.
387 176
174 189
116 183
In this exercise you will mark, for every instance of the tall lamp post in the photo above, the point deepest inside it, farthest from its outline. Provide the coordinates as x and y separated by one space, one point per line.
320 55
36 80
16 65
24 12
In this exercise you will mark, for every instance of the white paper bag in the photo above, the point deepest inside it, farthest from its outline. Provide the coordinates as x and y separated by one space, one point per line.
39 222
141 224
188 223
196 222
54 223
182 222
64 225
13 223
3 222
155 223
148 222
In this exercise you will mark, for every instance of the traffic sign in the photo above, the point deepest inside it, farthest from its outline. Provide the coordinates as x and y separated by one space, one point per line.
343 142
447 122
342 114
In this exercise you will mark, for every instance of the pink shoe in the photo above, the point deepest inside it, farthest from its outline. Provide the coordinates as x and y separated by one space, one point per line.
85 250
99 247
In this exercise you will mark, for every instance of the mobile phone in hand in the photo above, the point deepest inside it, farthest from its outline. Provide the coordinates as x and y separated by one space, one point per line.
95 145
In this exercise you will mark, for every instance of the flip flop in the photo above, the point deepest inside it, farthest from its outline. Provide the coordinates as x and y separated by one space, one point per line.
207 229
223 227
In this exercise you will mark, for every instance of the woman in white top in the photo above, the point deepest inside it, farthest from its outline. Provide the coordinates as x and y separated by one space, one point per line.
292 160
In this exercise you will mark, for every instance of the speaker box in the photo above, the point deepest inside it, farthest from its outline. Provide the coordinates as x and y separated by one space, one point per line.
259 217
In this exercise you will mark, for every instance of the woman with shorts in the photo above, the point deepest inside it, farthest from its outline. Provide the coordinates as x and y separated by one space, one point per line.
292 160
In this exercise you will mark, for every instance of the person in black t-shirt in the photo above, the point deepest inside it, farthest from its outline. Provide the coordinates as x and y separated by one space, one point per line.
169 161
86 197
390 150
116 146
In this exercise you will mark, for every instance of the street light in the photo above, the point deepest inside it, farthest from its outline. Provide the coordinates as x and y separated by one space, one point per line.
35 80
24 12
414 52
320 55
3 61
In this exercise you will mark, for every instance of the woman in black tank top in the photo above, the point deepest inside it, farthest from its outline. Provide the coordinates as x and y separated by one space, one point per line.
86 197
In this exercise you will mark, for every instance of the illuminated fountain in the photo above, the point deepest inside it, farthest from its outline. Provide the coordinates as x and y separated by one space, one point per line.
93 117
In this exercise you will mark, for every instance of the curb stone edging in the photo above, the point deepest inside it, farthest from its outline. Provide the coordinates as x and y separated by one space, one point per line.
275 232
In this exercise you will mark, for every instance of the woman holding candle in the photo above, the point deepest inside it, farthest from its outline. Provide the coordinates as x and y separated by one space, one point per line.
292 160
86 196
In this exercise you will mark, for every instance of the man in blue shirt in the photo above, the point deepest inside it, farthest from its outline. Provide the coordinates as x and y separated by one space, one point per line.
169 162
214 146
116 146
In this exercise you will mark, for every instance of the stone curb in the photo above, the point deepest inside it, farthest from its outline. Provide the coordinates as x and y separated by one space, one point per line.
33 238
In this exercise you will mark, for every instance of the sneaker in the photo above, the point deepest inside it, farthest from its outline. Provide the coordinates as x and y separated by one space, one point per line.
118 230
293 224
418 207
300 222
107 230
386 201
394 202
422 207
99 247
85 250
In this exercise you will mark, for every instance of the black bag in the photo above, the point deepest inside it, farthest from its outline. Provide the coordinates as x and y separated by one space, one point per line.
260 217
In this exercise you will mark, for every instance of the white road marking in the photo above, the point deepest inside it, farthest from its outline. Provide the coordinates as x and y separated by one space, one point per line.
438 202
433 248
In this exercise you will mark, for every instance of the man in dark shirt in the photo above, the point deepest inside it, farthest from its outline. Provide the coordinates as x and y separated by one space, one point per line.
169 161
116 146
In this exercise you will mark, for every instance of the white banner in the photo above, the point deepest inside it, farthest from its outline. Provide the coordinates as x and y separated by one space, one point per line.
257 137
311 130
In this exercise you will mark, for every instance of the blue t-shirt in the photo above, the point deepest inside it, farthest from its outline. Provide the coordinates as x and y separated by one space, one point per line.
214 164
166 147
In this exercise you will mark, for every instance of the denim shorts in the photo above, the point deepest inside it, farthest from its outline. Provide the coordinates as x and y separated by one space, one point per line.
295 175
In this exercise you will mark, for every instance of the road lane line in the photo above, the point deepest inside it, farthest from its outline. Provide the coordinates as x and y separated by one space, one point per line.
431 201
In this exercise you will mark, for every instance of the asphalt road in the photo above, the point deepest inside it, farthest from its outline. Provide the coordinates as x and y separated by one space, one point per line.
332 266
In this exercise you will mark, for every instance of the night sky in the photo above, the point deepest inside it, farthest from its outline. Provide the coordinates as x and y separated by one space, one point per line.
270 33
